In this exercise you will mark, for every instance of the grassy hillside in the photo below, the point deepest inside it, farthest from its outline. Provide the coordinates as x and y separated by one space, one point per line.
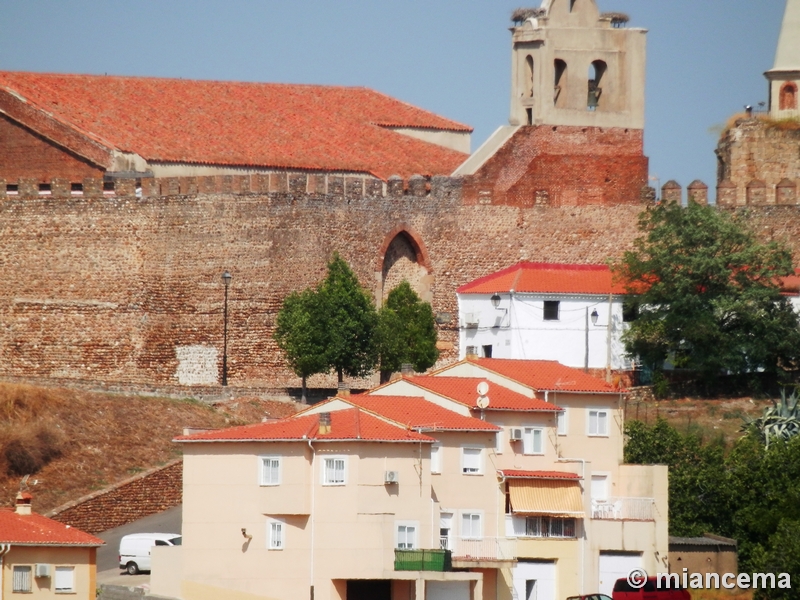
74 442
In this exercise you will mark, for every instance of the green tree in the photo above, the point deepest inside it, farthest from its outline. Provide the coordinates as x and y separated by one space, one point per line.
708 294
783 556
349 319
406 332
299 335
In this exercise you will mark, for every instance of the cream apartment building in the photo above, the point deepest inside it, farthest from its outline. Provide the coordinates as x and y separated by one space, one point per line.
513 468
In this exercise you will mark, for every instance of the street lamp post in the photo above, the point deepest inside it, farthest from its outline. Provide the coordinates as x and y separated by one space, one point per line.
226 279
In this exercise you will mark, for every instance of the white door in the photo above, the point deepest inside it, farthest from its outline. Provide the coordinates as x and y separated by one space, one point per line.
535 581
447 590
614 566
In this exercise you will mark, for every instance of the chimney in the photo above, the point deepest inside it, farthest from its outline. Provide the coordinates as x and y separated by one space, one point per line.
407 369
24 503
324 423
343 390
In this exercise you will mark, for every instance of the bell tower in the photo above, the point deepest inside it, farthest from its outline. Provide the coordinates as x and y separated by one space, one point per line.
784 77
572 65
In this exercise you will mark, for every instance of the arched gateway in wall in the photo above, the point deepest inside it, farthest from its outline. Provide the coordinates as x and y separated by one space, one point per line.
403 256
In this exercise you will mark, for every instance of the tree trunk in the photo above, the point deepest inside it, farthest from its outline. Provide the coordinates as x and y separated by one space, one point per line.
340 374
303 398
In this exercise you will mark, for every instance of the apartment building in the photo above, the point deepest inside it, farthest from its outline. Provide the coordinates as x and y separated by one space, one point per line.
490 479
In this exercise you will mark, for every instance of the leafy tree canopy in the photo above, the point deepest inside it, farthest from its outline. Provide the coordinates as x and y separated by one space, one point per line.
708 294
406 332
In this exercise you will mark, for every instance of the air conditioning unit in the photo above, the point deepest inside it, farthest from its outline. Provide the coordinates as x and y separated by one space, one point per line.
42 570
516 435
392 477
470 320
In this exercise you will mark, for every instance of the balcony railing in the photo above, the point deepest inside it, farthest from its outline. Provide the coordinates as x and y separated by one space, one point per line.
624 509
483 549
422 560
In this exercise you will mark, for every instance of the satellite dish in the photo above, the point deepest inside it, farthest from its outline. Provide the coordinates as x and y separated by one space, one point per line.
483 401
483 388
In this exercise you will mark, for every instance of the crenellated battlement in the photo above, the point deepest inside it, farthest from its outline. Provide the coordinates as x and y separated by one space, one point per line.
729 195
346 187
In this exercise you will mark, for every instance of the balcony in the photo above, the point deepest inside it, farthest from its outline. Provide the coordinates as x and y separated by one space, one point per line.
624 509
468 551
422 560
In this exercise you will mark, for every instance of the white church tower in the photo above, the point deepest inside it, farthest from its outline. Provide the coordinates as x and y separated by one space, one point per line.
784 77
572 65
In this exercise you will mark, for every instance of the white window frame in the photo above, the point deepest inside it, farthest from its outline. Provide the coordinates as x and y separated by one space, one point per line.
20 583
401 529
529 438
474 516
562 421
597 432
499 441
64 570
276 534
324 473
265 472
464 454
436 459
605 476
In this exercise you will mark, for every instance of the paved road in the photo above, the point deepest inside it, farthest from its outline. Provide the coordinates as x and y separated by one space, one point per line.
108 571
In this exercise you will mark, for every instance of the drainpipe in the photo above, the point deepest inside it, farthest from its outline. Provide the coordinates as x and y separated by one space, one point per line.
313 497
585 528
4 548
608 341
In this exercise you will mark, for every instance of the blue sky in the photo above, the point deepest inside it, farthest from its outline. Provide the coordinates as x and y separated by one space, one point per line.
706 58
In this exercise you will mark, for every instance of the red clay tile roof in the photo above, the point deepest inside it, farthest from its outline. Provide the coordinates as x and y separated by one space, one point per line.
546 278
272 125
517 474
346 425
36 530
790 285
464 391
541 375
418 413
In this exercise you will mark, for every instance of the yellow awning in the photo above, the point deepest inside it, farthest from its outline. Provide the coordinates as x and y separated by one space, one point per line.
545 497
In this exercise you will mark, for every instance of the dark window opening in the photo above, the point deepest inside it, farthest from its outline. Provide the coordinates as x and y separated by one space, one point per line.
551 310
529 111
560 82
76 187
596 72
487 351
108 186
630 311
44 187
572 5
12 188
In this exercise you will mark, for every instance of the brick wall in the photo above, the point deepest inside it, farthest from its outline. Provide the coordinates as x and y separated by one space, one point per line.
563 166
26 154
148 493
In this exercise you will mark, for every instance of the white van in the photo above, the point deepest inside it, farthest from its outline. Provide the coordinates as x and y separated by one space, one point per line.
134 549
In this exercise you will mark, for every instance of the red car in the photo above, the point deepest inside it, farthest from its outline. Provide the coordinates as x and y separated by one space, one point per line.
623 590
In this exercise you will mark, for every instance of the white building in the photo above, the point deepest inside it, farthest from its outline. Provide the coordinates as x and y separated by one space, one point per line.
572 314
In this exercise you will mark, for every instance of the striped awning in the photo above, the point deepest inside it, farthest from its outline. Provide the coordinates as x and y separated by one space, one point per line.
546 497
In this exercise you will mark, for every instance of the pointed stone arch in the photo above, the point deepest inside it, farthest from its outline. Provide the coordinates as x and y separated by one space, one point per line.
403 255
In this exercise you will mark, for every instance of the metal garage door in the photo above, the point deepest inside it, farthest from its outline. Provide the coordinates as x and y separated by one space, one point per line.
535 580
614 565
447 590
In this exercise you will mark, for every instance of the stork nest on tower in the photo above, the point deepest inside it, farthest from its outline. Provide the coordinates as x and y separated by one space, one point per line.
618 19
521 15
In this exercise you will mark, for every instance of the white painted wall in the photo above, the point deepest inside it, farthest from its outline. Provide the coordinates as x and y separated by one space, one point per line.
517 329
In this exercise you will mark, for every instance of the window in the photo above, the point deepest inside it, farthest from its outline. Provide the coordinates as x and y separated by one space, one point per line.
22 579
599 488
596 71
471 526
471 461
598 422
487 351
549 527
406 536
472 351
630 311
65 579
334 470
529 76
551 310
275 535
499 440
533 441
562 422
270 470
559 94
436 459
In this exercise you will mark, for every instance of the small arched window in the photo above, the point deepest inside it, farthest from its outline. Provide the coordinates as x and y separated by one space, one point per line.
529 76
560 93
788 97
596 71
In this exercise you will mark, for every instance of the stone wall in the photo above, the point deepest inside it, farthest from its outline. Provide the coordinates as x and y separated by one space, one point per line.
148 493
125 289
